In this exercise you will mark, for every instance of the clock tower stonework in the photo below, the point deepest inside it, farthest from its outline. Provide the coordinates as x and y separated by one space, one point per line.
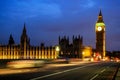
100 36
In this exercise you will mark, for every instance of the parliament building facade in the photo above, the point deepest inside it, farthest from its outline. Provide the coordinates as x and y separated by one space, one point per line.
25 51
71 50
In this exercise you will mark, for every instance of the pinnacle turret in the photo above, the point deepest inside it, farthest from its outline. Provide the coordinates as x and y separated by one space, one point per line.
11 40
100 13
100 17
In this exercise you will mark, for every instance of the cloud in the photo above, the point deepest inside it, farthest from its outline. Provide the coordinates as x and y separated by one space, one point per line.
30 9
88 4
50 9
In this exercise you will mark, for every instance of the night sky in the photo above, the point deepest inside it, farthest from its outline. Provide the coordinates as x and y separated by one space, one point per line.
47 19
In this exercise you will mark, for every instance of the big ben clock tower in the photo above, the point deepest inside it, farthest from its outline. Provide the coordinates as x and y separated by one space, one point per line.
100 35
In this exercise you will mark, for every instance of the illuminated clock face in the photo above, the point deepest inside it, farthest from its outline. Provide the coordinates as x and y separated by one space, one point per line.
99 28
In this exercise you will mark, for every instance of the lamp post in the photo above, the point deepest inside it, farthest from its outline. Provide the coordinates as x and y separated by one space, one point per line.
57 49
83 55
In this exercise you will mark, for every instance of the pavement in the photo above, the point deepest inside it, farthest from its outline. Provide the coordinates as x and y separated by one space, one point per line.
117 75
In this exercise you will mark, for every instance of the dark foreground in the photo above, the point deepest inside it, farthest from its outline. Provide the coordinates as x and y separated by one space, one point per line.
86 71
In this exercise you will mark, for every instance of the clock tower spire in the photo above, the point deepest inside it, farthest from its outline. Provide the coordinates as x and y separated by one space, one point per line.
100 17
100 35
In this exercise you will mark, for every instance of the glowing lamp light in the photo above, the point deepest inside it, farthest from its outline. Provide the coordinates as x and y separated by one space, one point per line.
57 48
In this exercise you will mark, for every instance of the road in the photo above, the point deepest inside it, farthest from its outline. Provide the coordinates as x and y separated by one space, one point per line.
87 71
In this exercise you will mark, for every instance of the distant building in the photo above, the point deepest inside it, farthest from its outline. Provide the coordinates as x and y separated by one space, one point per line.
73 50
87 52
26 51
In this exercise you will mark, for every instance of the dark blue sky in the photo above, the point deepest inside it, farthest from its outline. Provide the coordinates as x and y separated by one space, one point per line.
47 19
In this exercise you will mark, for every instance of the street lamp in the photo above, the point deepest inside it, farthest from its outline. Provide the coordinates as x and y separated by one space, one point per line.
57 49
83 53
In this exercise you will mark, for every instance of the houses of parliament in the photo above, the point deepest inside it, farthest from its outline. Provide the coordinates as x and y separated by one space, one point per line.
26 51
71 50
74 50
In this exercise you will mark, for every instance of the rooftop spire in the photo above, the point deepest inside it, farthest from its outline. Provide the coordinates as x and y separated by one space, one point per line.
24 29
100 17
100 14
24 34
24 37
11 40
